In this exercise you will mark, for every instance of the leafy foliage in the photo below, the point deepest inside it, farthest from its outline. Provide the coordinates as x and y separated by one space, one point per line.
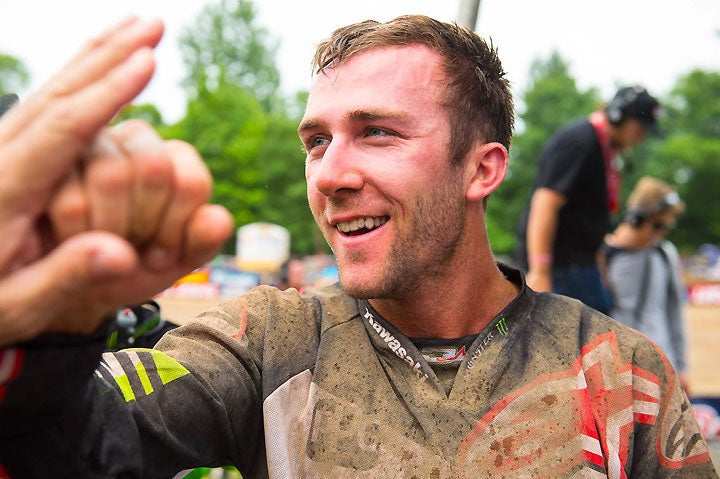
14 75
241 126
225 46
148 113
227 127
687 155
245 130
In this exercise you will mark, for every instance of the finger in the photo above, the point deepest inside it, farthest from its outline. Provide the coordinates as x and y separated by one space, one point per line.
54 141
27 252
95 60
191 189
61 119
52 294
106 51
69 209
152 176
107 180
206 233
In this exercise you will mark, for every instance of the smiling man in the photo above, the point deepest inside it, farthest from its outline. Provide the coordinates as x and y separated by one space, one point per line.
427 360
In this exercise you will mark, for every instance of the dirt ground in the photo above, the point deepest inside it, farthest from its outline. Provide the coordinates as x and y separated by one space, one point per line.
704 347
180 310
704 344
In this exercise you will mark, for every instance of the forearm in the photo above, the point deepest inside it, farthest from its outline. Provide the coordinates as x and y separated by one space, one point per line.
51 377
542 228
541 231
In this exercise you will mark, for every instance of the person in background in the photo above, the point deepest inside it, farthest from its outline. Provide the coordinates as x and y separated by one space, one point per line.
292 274
574 194
643 272
428 359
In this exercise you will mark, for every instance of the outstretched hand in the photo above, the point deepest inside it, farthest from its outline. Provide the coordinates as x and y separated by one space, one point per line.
95 217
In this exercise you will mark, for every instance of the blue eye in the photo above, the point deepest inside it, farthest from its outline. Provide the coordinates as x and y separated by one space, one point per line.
319 141
316 142
372 131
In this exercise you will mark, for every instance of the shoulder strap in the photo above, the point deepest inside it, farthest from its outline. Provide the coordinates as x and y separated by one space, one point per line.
644 287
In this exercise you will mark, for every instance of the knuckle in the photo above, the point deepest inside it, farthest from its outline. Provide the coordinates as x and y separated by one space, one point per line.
193 178
62 120
155 169
71 205
110 177
194 190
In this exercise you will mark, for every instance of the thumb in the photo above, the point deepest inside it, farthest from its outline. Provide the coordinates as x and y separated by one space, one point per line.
55 293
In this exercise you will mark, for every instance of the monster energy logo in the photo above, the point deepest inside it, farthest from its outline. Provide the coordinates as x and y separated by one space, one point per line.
502 327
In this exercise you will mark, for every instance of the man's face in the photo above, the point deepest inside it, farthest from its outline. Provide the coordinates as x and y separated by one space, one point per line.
629 133
379 179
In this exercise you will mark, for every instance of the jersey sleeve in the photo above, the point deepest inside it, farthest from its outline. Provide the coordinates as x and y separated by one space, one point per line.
667 440
193 401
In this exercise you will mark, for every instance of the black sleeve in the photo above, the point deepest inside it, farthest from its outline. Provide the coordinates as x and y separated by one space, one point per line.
142 413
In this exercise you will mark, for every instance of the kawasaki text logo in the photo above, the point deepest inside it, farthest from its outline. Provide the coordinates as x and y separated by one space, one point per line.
394 345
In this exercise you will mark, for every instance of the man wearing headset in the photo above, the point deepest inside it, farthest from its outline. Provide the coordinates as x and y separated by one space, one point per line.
643 271
575 192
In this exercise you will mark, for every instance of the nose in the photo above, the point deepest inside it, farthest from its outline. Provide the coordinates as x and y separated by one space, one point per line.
338 171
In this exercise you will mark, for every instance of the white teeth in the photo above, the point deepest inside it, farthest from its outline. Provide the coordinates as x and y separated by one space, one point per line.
368 222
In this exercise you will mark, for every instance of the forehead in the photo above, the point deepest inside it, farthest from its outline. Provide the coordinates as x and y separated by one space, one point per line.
397 78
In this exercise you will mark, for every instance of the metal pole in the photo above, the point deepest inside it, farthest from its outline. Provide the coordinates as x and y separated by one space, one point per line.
468 13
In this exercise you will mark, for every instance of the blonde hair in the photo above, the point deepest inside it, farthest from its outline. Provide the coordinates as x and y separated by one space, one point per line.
652 196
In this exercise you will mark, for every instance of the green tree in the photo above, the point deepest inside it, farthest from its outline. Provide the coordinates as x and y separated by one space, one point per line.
281 165
694 104
687 157
227 126
146 112
225 46
14 76
551 100
240 125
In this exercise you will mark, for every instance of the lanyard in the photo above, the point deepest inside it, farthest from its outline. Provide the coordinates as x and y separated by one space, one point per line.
612 175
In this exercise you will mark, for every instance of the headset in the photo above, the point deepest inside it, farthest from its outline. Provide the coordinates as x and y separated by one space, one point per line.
617 108
637 216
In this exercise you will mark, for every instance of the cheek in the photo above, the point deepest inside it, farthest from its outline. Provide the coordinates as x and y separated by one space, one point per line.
638 134
315 198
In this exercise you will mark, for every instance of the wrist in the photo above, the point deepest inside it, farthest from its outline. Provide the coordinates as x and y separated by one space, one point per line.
541 259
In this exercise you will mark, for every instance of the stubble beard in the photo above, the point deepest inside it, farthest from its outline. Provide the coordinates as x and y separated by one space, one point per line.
425 252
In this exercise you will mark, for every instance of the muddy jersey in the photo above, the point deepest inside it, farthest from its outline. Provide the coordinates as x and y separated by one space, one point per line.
321 386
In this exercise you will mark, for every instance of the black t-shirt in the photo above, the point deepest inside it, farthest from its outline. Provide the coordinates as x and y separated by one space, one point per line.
572 164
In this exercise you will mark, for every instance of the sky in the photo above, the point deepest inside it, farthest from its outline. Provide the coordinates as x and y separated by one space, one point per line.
607 43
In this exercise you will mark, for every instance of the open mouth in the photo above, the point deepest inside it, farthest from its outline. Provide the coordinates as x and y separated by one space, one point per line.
360 226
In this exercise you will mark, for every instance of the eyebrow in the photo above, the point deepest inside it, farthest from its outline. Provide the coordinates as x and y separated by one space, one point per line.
307 125
365 115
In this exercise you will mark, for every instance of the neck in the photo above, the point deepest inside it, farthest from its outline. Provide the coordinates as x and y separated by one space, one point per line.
628 237
460 303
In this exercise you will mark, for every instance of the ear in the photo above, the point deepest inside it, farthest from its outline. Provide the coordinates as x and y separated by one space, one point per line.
486 168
